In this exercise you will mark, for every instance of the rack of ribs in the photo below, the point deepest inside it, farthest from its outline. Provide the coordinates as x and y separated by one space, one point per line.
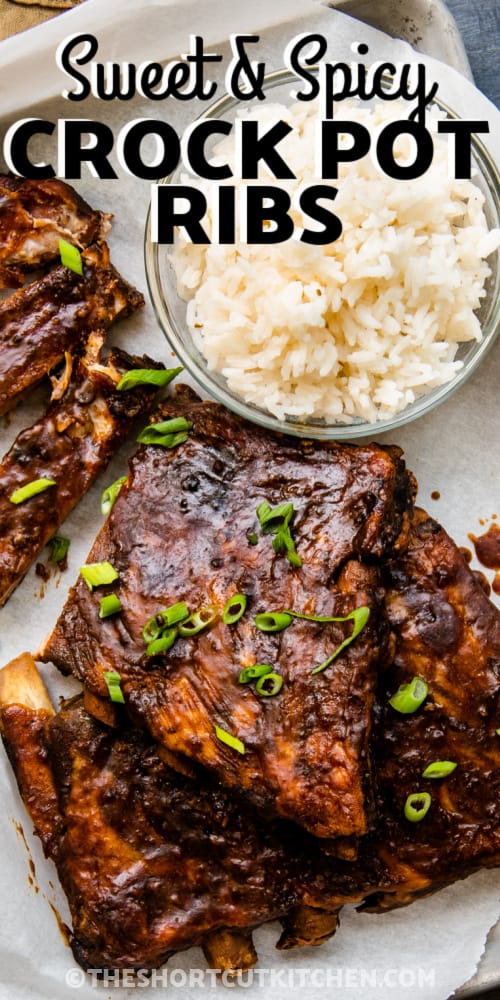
152 861
181 530
184 860
156 856
41 322
447 632
71 444
34 216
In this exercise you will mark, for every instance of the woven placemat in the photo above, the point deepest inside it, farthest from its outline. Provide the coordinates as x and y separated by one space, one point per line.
61 4
19 15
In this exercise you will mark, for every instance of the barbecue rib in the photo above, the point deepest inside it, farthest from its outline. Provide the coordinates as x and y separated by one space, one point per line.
179 531
38 324
151 861
34 216
447 632
70 444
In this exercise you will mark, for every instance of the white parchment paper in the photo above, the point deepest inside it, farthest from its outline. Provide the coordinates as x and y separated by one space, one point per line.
431 948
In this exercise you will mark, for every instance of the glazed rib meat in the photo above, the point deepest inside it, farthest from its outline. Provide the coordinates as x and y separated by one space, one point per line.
70 444
181 531
34 216
152 861
446 632
39 323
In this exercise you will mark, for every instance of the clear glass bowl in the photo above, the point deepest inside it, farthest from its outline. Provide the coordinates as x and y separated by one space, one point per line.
170 308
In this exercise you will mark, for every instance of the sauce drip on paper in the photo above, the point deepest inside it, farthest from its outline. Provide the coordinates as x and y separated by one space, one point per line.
487 547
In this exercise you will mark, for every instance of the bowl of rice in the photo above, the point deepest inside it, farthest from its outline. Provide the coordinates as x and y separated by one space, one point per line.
360 335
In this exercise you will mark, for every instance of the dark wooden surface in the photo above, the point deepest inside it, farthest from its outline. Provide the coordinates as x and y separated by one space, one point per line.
479 24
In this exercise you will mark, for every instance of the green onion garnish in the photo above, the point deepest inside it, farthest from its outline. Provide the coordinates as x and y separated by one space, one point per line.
229 740
71 257
410 696
170 426
59 548
360 617
165 619
272 518
276 521
273 621
439 769
148 376
417 806
199 620
162 440
283 542
165 641
167 434
497 732
31 489
175 613
109 605
269 685
153 628
110 494
252 538
113 682
255 671
234 609
97 574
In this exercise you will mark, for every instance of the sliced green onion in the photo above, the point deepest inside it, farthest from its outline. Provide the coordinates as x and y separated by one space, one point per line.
109 605
175 613
234 609
199 620
360 617
269 685
113 682
497 732
162 440
110 494
410 696
167 434
165 619
252 538
148 376
229 740
273 621
272 518
417 806
71 257
31 489
170 426
276 521
283 542
59 548
255 671
97 574
164 642
439 769
153 629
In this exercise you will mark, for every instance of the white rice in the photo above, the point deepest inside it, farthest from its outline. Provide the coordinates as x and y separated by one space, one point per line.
360 327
